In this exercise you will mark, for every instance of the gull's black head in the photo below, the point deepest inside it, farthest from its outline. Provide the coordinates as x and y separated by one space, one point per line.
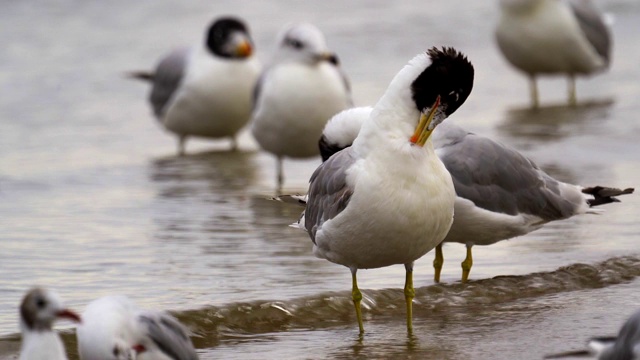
450 75
228 37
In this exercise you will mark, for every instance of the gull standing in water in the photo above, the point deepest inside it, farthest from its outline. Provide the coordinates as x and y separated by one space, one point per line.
297 94
388 199
40 308
553 37
205 91
500 193
114 328
626 346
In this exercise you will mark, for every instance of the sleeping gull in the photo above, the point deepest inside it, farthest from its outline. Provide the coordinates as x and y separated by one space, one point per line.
626 346
553 36
40 308
500 193
297 94
114 328
388 199
205 90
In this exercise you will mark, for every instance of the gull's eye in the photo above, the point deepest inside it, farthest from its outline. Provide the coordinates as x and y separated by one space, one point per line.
294 43
41 303
454 94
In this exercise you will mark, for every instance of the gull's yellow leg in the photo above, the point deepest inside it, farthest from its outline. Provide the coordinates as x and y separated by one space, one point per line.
356 295
409 294
466 265
437 263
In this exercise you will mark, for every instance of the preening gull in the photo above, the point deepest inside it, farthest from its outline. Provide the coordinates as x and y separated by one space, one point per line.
553 37
205 91
388 199
40 308
626 346
114 328
500 193
297 94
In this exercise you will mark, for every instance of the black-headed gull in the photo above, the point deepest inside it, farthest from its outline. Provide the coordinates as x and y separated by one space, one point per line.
205 91
40 308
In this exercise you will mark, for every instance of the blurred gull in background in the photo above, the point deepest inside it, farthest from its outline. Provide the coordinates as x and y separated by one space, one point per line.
553 37
388 199
40 308
500 193
297 94
114 328
205 90
626 346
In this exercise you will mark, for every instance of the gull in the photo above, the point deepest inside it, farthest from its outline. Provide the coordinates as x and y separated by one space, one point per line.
297 94
553 37
500 193
205 90
388 199
40 308
114 328
626 346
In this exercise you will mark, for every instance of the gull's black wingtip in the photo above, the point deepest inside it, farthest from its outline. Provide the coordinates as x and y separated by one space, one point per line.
577 353
605 195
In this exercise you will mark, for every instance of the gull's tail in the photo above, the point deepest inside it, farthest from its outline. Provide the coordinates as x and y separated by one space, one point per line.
141 75
291 199
294 199
604 195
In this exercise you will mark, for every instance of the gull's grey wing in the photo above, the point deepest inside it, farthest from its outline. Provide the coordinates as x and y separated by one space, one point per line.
169 335
257 88
347 85
345 80
593 26
167 78
498 178
329 193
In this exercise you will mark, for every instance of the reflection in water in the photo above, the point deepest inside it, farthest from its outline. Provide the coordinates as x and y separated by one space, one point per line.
552 123
224 171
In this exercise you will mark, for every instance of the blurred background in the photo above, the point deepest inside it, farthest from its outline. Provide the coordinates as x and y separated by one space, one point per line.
94 200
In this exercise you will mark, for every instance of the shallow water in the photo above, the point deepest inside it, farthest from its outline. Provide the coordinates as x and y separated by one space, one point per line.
93 200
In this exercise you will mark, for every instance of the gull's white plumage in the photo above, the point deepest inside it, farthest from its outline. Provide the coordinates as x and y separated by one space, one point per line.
413 210
214 99
114 328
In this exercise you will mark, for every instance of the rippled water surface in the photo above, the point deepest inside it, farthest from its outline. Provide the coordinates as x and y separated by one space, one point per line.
93 200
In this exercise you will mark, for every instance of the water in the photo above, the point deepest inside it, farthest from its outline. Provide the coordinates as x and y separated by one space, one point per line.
93 200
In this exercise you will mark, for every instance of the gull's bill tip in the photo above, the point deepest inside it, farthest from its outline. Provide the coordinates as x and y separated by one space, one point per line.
424 128
68 314
244 48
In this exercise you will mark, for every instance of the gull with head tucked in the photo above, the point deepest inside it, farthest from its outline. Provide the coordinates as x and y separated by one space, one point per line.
388 199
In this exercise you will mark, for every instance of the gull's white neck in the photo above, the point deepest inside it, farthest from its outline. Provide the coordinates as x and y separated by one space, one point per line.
395 116
41 345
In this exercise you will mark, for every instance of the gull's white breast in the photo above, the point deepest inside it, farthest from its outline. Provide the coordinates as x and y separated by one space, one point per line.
214 97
